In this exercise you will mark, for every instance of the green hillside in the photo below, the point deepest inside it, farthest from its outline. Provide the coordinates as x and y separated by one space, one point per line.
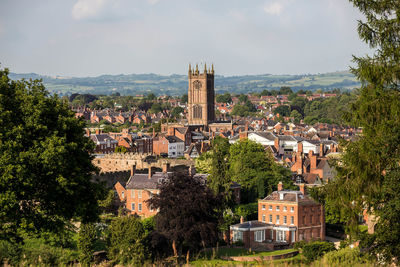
134 84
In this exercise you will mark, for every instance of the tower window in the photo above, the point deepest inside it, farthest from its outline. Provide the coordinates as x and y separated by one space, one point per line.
197 110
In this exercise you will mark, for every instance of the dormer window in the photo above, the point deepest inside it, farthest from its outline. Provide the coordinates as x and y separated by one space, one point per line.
281 195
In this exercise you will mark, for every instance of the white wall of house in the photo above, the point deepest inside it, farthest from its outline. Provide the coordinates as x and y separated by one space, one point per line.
308 146
261 140
176 150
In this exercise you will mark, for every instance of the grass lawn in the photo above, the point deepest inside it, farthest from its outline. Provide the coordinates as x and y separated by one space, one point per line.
243 252
276 263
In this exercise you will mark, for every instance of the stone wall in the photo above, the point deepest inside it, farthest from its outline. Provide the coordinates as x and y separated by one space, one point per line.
124 161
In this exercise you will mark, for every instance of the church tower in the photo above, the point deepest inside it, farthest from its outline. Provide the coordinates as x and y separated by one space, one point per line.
201 96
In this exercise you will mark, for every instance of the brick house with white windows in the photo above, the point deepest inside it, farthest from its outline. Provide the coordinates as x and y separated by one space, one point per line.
284 217
141 187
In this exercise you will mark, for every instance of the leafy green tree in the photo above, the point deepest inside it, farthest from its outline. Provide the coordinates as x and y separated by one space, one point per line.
203 163
45 162
255 170
225 98
127 241
155 108
368 171
285 90
184 98
86 240
282 110
187 213
120 149
151 96
243 98
317 249
219 180
296 116
177 111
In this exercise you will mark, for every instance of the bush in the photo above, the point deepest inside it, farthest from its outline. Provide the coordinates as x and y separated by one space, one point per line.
238 243
9 253
316 249
37 252
299 244
86 240
127 240
343 257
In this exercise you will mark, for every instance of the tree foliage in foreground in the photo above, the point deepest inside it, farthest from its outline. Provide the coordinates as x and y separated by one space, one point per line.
368 172
188 213
45 162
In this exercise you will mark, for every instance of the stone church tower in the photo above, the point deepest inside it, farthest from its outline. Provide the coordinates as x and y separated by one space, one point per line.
201 96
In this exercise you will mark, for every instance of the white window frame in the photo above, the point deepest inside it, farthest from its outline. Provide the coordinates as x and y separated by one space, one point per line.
237 236
285 219
263 207
291 220
263 217
139 193
284 208
270 207
259 236
133 193
278 208
277 219
132 206
291 209
122 194
270 218
140 207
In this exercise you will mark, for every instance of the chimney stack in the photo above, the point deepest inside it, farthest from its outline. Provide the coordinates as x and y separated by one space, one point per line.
313 160
165 167
150 172
133 169
321 150
241 219
280 186
300 147
302 188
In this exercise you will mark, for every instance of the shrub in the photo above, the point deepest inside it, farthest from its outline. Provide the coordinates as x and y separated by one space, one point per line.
86 240
9 253
126 240
299 244
316 249
343 257
238 243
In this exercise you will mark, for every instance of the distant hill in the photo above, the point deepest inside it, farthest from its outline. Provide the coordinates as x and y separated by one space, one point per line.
175 84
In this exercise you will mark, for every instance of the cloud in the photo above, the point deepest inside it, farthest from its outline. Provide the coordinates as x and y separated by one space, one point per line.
84 9
274 8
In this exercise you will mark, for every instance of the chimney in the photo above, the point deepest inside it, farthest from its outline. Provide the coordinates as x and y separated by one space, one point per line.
302 188
133 169
87 132
300 147
313 160
280 186
98 131
165 167
241 219
150 172
247 126
321 150
276 144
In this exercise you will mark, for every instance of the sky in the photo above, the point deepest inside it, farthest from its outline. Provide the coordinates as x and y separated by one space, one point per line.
240 37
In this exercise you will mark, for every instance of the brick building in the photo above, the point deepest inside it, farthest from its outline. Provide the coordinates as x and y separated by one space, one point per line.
284 217
104 143
141 187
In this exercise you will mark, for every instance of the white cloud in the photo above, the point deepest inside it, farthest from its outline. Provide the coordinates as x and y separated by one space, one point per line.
84 9
274 8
